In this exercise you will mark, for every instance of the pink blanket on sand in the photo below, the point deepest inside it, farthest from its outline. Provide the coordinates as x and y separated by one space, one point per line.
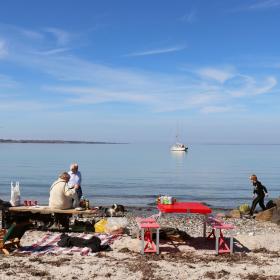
48 244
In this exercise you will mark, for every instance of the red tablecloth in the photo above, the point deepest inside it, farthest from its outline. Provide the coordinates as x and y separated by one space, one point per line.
184 207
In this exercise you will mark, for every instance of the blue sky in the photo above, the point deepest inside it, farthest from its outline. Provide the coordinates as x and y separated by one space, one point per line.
136 70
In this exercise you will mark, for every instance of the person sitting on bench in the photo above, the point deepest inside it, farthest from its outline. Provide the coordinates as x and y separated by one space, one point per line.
61 196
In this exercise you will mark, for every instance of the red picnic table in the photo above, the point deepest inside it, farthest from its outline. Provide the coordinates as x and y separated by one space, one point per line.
186 207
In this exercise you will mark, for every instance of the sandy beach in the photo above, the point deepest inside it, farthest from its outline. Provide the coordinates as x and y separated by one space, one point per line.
187 256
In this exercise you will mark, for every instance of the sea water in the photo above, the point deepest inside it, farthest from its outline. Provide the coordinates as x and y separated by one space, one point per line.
135 174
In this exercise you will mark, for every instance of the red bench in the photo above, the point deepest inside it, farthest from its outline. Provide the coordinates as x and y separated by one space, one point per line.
221 245
146 226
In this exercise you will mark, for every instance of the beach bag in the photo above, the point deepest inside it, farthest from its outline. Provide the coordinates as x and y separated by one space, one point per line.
15 194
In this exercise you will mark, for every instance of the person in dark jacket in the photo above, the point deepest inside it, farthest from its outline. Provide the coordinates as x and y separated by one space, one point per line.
260 192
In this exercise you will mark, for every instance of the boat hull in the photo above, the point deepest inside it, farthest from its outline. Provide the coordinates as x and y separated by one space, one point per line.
181 148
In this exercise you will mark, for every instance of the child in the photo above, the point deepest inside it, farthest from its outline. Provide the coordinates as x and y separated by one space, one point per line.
260 192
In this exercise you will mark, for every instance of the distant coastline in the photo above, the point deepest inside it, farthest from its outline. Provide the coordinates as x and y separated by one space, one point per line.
27 141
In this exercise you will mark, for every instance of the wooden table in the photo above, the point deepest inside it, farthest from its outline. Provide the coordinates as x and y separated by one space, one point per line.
34 211
185 208
49 210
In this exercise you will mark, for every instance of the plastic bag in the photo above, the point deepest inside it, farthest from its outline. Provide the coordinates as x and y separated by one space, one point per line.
100 226
116 225
244 209
15 194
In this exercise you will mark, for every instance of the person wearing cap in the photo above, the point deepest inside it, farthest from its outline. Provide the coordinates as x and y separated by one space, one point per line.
75 179
61 196
259 192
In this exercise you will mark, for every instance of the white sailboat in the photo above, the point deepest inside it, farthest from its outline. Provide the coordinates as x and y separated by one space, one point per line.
178 147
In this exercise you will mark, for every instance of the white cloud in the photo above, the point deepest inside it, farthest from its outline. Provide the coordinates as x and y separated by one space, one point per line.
7 82
31 34
264 4
3 49
79 82
17 105
215 109
91 95
61 36
253 87
52 51
220 75
158 51
189 17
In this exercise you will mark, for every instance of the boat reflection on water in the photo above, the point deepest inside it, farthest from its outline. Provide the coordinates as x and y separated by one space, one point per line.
178 154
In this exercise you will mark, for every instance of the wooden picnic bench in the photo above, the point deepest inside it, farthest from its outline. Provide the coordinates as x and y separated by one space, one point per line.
146 226
221 245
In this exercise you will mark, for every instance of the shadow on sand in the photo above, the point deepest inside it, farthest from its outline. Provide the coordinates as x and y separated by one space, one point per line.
172 240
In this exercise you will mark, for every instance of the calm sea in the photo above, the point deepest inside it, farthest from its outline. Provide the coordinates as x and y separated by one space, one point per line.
134 174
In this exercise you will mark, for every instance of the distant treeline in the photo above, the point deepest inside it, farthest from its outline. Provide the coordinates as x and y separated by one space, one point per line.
54 142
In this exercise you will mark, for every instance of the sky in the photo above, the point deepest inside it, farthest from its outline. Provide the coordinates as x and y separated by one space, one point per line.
140 71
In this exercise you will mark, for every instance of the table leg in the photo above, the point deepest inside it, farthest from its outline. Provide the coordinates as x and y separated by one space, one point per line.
231 243
3 217
204 225
218 234
142 241
157 241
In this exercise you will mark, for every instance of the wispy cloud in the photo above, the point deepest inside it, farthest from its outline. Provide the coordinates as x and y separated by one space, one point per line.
3 49
22 105
249 86
215 109
53 51
264 4
61 36
189 17
77 83
158 51
7 82
31 34
220 75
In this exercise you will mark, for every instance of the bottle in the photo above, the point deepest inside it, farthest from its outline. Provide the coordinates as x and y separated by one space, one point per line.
82 202
87 204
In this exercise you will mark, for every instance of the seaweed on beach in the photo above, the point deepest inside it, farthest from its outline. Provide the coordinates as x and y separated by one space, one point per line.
4 265
272 254
216 274
256 276
193 258
144 267
35 272
124 250
57 262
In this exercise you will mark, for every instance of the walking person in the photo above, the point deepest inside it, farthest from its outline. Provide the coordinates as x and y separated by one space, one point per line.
259 192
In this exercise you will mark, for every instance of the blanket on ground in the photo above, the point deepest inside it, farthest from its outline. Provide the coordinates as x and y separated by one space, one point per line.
48 244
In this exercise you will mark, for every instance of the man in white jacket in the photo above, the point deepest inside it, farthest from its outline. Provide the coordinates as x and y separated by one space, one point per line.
61 196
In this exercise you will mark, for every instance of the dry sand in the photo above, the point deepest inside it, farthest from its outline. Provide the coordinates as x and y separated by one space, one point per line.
257 257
